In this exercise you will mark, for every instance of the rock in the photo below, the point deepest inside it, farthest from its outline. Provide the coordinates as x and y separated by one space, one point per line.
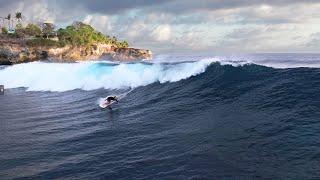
130 54
12 52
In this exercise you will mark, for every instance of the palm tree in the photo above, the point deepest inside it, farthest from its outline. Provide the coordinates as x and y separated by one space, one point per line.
19 16
8 18
114 40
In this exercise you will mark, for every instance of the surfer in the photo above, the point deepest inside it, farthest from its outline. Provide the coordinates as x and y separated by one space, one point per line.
109 99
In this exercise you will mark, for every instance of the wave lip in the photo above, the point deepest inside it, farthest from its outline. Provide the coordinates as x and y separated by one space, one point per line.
40 76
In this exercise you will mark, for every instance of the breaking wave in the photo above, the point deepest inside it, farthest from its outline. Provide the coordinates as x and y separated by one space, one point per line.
41 76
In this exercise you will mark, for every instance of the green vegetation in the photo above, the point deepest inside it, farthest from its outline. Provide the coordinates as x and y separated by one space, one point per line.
44 42
81 34
33 30
123 44
9 19
19 16
4 30
77 34
48 30
20 31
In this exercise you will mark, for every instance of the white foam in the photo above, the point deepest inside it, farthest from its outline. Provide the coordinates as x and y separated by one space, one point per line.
274 60
40 76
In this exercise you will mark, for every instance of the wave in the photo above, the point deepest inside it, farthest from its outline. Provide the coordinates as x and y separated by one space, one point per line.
217 105
41 76
275 60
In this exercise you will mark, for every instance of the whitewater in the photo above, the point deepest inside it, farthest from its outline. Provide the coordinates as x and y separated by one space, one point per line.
40 76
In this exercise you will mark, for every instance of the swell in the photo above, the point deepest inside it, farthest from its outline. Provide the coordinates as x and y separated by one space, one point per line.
246 111
250 87
259 86
266 86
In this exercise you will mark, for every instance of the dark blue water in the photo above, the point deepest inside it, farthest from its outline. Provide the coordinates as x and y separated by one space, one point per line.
229 122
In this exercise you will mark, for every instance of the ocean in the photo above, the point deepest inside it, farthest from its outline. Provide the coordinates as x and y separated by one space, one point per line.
250 116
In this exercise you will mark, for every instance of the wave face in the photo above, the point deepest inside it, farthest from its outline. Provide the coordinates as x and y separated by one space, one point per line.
182 120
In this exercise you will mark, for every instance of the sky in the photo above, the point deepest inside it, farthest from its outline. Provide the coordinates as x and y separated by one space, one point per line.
187 26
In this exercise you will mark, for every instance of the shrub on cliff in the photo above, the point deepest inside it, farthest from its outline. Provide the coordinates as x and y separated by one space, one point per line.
4 30
33 30
19 31
123 44
42 42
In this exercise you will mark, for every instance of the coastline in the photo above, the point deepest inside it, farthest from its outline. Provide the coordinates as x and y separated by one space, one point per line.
15 51
76 42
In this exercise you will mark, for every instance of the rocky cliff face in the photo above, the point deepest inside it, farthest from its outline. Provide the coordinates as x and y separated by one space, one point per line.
15 51
129 54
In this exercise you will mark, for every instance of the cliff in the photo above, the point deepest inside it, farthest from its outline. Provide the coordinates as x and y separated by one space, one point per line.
13 51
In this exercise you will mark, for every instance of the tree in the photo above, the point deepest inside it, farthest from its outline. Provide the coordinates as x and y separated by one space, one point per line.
80 34
8 18
19 26
114 40
33 30
124 44
80 25
19 16
47 29
20 31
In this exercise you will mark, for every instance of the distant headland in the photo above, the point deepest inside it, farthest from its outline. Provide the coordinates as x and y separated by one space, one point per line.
76 42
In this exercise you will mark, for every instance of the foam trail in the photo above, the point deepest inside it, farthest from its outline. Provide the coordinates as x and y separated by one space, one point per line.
122 95
100 101
40 76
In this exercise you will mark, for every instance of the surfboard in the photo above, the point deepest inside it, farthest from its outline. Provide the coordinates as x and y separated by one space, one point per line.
103 104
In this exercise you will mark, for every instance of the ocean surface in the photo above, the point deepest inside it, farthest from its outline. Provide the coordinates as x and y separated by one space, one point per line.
179 117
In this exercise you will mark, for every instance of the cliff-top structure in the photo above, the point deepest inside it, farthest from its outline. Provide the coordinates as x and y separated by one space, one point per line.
76 42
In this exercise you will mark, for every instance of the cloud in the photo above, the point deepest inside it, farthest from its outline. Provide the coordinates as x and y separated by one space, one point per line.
101 22
32 11
175 25
265 38
109 6
314 41
178 7
162 33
